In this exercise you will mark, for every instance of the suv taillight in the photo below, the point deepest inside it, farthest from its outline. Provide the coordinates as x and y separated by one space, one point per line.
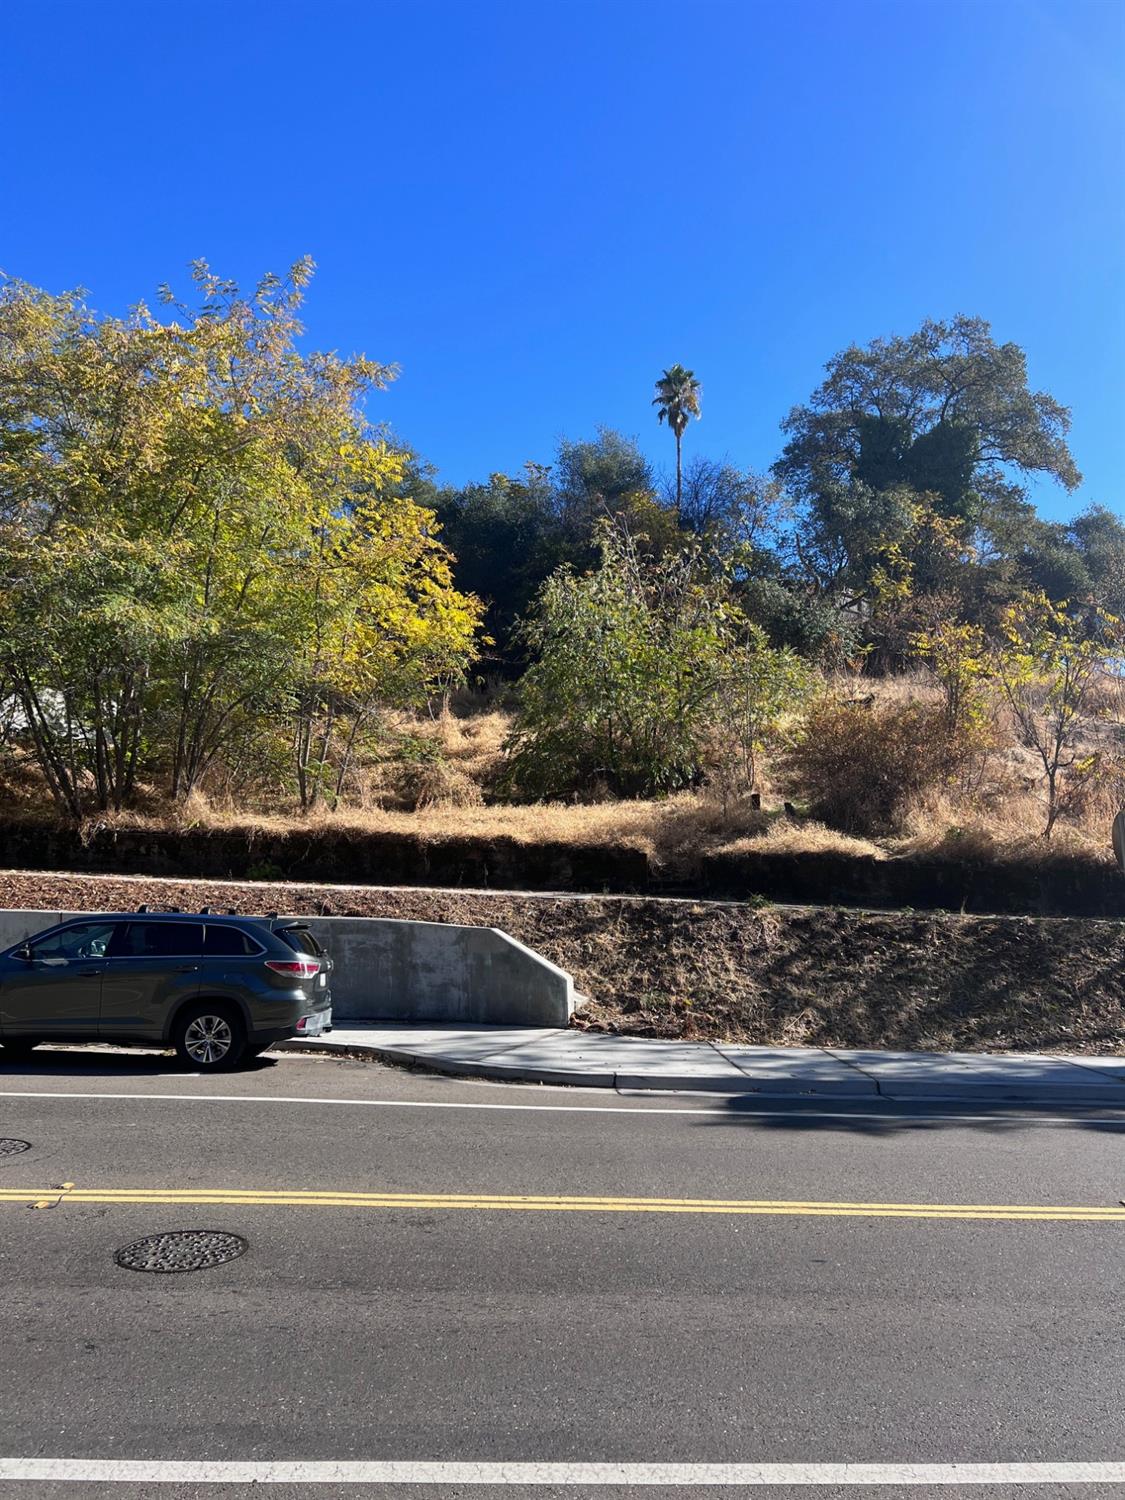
294 968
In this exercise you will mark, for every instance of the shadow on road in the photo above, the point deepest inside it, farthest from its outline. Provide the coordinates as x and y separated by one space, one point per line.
93 1062
874 1117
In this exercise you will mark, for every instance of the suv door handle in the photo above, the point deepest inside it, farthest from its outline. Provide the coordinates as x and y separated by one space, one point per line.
88 973
186 968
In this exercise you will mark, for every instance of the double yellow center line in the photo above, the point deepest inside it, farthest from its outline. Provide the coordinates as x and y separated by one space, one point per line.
555 1203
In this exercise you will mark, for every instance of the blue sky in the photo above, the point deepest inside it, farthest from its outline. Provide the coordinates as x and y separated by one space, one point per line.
533 207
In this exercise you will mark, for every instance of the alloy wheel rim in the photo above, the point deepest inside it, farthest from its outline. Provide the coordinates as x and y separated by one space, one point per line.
208 1039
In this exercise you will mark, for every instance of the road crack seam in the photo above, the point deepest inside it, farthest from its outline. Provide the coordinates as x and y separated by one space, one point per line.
59 1191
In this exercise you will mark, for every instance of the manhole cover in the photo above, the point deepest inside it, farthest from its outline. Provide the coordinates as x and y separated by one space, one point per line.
13 1148
181 1250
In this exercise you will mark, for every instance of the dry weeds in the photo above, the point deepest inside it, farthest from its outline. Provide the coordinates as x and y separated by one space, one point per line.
445 785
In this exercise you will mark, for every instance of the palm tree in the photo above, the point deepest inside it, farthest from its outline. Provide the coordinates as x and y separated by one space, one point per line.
677 395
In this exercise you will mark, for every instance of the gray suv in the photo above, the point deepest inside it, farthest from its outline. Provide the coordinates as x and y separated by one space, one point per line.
216 986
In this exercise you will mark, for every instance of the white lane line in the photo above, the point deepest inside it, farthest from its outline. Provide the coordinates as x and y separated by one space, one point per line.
152 1471
578 1109
1113 1121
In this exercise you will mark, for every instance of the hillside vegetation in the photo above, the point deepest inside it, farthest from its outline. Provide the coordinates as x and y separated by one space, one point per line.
228 599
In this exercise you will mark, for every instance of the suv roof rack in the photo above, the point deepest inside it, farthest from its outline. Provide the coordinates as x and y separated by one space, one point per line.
218 911
149 908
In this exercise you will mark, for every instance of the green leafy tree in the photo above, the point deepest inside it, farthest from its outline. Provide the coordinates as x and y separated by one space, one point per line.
677 399
166 488
84 624
641 666
945 409
510 534
507 537
1099 536
595 479
1083 559
384 626
944 413
760 688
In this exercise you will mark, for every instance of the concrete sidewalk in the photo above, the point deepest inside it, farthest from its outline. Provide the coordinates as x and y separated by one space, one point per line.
593 1059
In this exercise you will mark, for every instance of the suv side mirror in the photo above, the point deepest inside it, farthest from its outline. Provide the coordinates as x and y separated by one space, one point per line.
23 953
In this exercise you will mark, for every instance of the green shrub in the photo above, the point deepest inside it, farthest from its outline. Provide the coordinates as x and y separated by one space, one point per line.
641 666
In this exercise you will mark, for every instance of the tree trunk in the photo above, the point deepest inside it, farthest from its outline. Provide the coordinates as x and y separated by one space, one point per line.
346 760
325 746
48 752
679 476
303 748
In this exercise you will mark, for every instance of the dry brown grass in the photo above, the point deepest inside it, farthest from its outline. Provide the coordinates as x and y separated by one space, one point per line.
446 787
804 836
669 830
445 799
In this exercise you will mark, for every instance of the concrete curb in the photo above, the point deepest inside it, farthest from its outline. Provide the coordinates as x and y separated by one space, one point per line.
455 1067
729 1080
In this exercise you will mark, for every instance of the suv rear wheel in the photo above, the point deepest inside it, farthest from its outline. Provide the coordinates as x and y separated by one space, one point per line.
209 1036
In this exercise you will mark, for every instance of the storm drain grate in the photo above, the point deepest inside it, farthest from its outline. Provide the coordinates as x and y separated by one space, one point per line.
10 1147
181 1250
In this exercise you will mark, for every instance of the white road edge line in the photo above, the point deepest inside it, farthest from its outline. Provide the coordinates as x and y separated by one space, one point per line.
573 1109
155 1471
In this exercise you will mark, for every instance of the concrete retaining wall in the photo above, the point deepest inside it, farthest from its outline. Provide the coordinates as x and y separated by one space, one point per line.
411 971
17 925
431 971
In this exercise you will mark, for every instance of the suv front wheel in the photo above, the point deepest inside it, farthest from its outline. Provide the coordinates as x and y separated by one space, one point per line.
209 1036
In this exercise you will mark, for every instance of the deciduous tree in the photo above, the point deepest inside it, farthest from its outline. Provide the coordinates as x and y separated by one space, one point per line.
175 494
1047 663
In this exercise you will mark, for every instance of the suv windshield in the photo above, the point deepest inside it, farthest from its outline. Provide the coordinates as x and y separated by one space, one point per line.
87 940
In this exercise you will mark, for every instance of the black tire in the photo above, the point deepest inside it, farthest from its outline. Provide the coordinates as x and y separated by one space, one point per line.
209 1036
15 1048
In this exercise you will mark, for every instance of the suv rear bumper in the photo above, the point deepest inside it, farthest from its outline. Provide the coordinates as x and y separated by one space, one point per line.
318 1011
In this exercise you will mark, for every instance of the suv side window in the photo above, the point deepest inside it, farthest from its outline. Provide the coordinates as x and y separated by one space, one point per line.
228 942
86 940
160 940
300 939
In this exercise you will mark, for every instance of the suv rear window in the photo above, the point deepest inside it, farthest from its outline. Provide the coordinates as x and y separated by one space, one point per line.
160 940
228 942
302 940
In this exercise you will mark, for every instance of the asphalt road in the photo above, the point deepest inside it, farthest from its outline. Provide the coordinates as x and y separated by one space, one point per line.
738 1294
